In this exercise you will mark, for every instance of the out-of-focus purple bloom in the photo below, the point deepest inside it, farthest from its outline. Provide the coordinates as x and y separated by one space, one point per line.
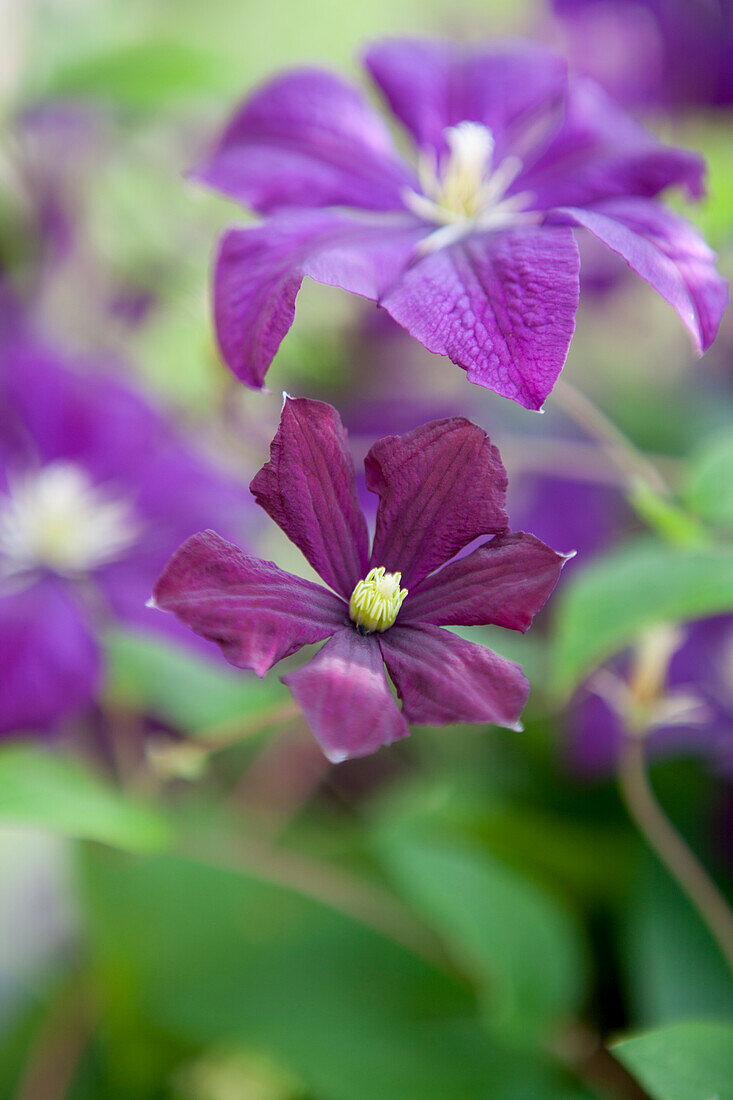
670 54
96 490
440 487
471 248
694 715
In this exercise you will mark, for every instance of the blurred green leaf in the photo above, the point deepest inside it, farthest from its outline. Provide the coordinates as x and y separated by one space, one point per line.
666 983
667 518
709 491
215 955
605 606
518 942
192 693
687 1061
42 787
140 75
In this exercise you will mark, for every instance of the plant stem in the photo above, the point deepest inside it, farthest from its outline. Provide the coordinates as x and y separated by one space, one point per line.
621 451
672 850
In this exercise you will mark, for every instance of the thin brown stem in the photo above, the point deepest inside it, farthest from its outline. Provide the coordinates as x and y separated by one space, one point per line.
621 451
672 850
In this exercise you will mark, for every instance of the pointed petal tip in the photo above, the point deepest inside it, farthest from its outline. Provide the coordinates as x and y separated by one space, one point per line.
568 557
516 727
335 756
286 397
151 603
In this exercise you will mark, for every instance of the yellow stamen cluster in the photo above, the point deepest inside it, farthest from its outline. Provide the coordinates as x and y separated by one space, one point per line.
376 600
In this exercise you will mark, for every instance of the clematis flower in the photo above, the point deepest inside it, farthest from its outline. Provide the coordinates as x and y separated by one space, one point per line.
669 54
96 490
440 487
469 242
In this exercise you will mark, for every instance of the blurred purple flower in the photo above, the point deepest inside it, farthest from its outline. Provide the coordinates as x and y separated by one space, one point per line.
440 487
96 490
669 54
695 715
472 250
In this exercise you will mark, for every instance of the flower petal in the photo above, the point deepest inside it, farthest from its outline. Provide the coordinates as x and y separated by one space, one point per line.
256 612
440 486
502 306
309 488
600 152
442 679
259 271
667 252
503 583
431 84
346 699
307 139
51 664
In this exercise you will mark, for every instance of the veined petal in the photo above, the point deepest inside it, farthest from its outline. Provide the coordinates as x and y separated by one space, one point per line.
307 138
344 695
503 583
309 488
432 84
51 664
259 271
601 152
501 305
667 252
256 612
442 679
440 486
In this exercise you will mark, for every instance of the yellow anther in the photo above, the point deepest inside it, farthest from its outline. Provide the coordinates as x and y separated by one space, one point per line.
376 600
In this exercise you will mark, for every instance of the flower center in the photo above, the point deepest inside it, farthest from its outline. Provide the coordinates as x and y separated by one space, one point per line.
464 191
56 518
376 600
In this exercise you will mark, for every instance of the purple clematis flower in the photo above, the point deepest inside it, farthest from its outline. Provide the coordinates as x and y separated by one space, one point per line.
440 487
670 54
469 244
96 490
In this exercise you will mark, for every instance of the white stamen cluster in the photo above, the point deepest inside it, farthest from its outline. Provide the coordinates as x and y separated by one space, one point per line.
463 193
55 518
376 600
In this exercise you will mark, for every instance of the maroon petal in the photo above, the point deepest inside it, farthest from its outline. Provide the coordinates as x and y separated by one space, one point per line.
504 583
307 139
667 252
501 305
442 679
256 612
259 270
344 695
432 84
440 486
309 488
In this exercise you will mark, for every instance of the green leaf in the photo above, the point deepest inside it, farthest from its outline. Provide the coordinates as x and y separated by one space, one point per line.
39 786
709 491
194 694
666 517
687 1061
605 606
214 955
518 943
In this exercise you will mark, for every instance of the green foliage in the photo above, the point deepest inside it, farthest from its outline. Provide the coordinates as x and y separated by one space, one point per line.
686 1061
57 792
604 607
517 942
709 489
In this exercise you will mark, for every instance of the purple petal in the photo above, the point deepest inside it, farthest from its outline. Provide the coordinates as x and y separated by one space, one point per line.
309 488
502 306
504 583
442 679
431 84
307 139
256 612
346 699
440 486
259 271
667 252
50 667
600 152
